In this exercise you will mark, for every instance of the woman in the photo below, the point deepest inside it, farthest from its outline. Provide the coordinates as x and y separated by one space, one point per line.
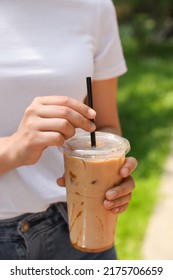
47 49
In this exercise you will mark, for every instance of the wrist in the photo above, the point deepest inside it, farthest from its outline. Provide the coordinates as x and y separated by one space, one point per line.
8 154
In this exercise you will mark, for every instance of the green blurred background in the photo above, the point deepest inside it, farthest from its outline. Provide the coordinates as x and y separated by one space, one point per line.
145 101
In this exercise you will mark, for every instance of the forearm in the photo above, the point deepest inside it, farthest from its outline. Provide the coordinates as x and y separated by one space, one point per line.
7 155
110 129
105 105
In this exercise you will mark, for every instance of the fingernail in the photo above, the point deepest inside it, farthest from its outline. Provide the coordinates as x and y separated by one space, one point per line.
116 210
125 171
111 194
91 112
108 203
92 126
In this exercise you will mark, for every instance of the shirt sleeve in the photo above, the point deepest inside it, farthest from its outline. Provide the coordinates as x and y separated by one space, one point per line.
109 59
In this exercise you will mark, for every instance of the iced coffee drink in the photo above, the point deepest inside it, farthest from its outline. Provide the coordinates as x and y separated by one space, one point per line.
89 173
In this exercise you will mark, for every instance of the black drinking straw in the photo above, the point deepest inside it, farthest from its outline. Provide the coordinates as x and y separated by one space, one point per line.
90 104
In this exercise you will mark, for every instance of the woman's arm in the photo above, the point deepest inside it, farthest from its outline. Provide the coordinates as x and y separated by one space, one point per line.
107 119
47 121
7 155
105 104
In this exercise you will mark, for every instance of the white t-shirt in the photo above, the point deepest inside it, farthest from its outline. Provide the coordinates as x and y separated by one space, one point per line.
49 47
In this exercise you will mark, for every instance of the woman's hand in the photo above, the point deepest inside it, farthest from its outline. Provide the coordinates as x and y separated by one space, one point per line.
48 121
118 198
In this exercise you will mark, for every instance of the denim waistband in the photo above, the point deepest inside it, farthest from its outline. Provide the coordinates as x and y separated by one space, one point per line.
50 215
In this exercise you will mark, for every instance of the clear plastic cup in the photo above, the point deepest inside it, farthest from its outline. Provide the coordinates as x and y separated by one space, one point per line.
89 173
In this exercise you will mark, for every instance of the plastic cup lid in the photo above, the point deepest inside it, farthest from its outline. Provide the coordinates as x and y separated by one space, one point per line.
107 145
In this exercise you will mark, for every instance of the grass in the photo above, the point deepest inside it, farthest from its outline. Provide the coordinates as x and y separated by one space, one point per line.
146 112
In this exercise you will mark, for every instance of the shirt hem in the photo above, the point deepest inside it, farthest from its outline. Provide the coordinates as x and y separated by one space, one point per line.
11 215
111 72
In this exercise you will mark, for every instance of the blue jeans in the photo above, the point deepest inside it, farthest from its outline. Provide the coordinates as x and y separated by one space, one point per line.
43 236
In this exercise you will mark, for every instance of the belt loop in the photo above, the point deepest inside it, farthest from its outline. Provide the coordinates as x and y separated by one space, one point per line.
63 211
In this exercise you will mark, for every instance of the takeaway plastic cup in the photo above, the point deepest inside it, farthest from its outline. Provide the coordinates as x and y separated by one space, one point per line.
89 173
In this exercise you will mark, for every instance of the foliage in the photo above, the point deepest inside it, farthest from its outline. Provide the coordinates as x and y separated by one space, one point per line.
145 104
158 9
151 20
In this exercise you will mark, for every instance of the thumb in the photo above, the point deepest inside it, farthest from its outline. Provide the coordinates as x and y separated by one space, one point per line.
129 166
61 181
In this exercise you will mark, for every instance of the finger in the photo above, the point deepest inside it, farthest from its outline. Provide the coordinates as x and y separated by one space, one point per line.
123 189
68 102
61 126
128 167
49 138
120 209
110 204
61 181
62 112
